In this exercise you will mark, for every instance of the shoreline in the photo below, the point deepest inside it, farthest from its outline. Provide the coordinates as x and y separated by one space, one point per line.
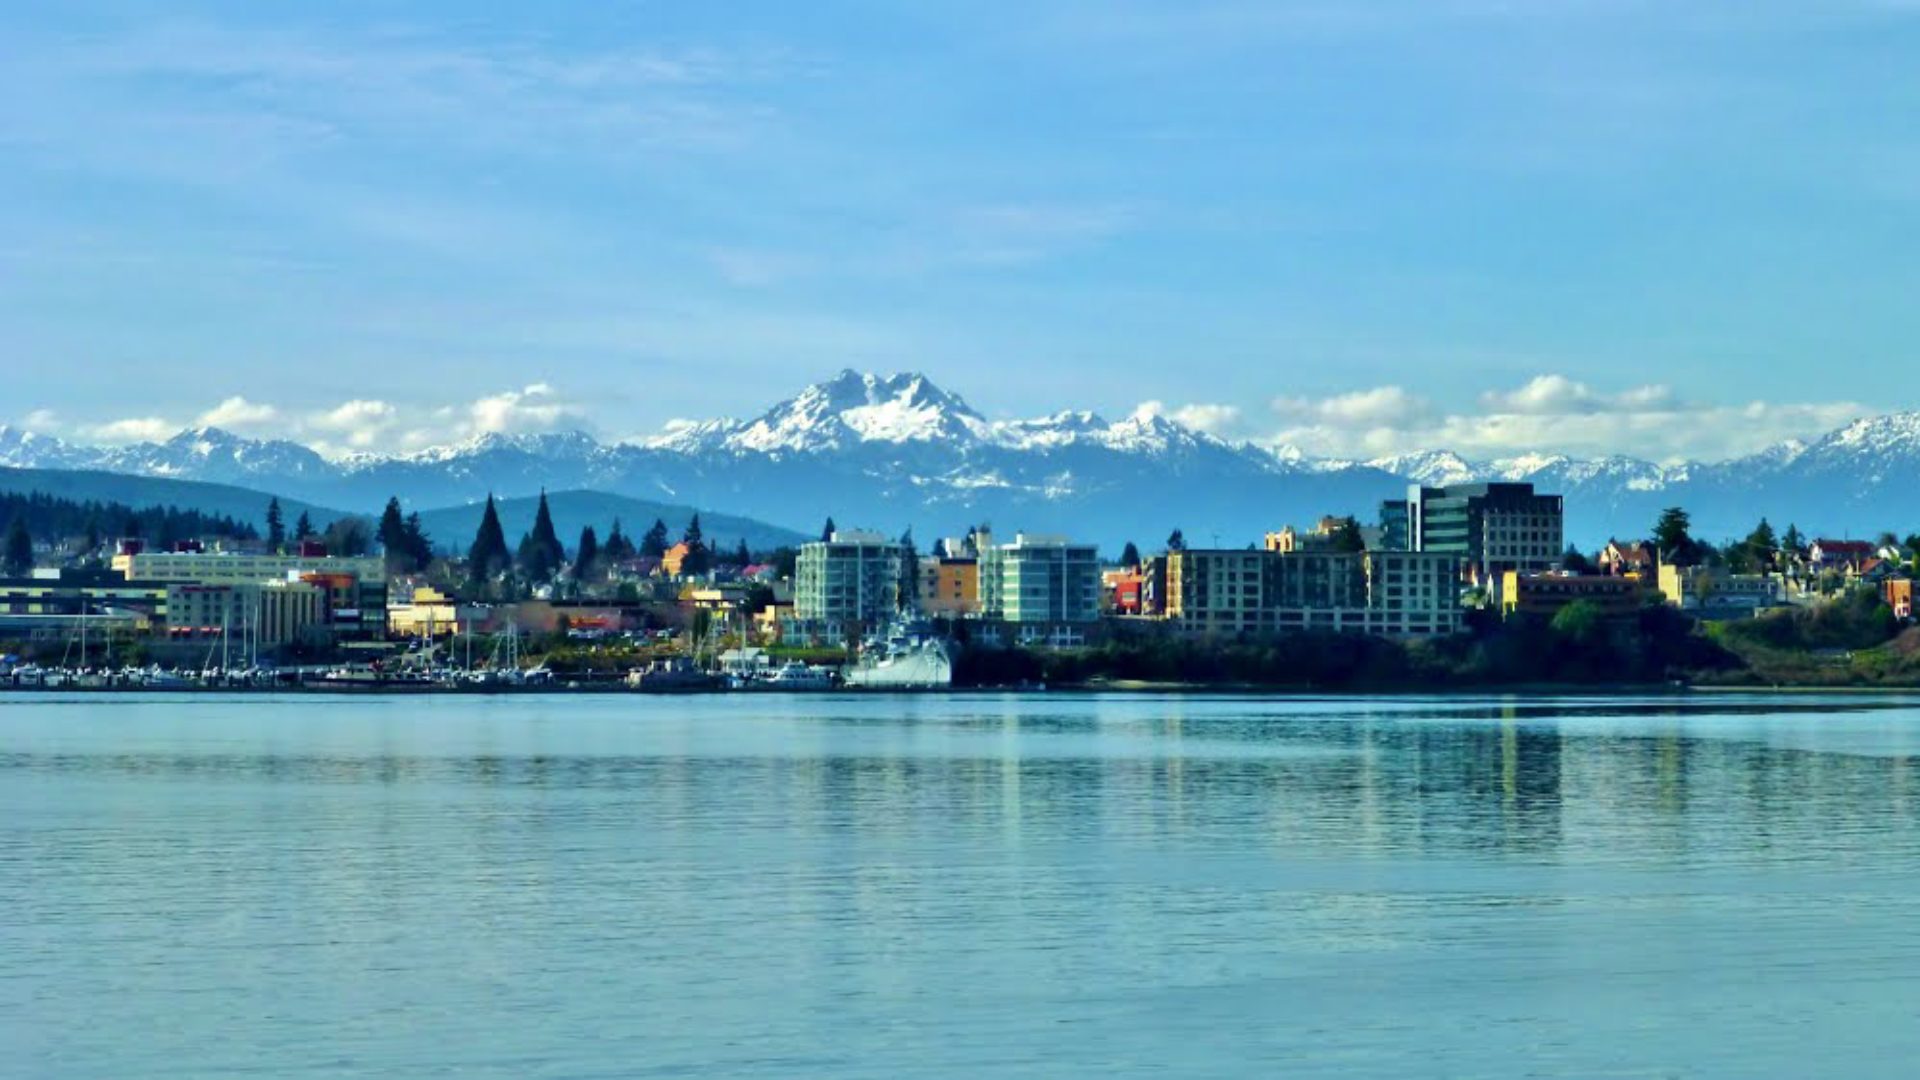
1123 687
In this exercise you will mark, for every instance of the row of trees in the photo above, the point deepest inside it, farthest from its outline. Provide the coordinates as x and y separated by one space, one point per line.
540 556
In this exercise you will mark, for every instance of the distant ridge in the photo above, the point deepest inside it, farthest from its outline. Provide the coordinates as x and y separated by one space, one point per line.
893 451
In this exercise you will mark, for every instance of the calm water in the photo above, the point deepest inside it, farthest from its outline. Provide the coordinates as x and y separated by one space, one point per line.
1026 886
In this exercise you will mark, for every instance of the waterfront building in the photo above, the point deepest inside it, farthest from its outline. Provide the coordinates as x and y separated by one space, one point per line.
50 604
355 586
949 586
264 614
854 576
1490 528
1039 579
1544 595
1391 593
431 613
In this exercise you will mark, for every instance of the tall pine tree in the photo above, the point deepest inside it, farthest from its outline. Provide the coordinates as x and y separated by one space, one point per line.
419 544
586 557
827 531
303 530
617 548
393 539
699 558
276 525
489 555
654 543
541 553
17 558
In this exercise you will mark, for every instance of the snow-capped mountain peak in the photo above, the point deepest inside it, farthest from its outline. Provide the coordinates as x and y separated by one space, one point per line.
853 407
881 449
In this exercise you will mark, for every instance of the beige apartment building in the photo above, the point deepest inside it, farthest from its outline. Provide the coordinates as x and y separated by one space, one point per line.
1391 593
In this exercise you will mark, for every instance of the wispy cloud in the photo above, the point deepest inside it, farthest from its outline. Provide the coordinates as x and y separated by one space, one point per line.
1550 413
360 424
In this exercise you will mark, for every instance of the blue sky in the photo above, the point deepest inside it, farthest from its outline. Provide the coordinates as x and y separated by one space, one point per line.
1666 230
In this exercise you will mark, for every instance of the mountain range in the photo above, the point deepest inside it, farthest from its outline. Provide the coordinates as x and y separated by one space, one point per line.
896 451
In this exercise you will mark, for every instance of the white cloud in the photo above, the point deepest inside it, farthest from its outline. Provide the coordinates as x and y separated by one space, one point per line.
1359 408
1552 414
41 421
1557 395
237 413
132 429
1210 418
531 409
363 423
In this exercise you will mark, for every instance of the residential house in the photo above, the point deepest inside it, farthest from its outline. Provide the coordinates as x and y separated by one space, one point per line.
1635 558
1845 556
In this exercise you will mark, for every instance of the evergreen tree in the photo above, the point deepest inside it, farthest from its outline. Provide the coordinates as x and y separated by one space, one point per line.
741 556
488 556
347 536
827 531
1575 562
1761 546
618 547
1347 537
654 543
541 553
699 559
587 555
1793 543
1671 537
419 544
132 529
303 530
276 525
17 560
1130 555
393 539
93 533
1177 541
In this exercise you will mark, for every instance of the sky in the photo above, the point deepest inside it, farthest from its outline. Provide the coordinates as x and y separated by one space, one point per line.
1496 226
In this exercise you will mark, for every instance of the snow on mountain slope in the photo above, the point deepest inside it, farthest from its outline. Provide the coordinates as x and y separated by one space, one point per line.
887 448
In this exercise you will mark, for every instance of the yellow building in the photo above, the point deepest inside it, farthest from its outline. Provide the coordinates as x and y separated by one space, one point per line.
949 588
430 613
1546 594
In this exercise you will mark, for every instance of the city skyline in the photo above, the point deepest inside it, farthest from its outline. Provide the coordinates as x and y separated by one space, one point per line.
1582 228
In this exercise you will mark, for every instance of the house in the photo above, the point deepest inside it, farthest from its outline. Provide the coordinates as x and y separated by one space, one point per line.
1876 571
1635 558
1842 555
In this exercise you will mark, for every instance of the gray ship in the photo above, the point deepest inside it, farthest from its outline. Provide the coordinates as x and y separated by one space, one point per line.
910 656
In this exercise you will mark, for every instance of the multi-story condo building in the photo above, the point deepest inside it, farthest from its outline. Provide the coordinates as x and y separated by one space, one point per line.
1396 593
1039 579
1491 528
855 576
